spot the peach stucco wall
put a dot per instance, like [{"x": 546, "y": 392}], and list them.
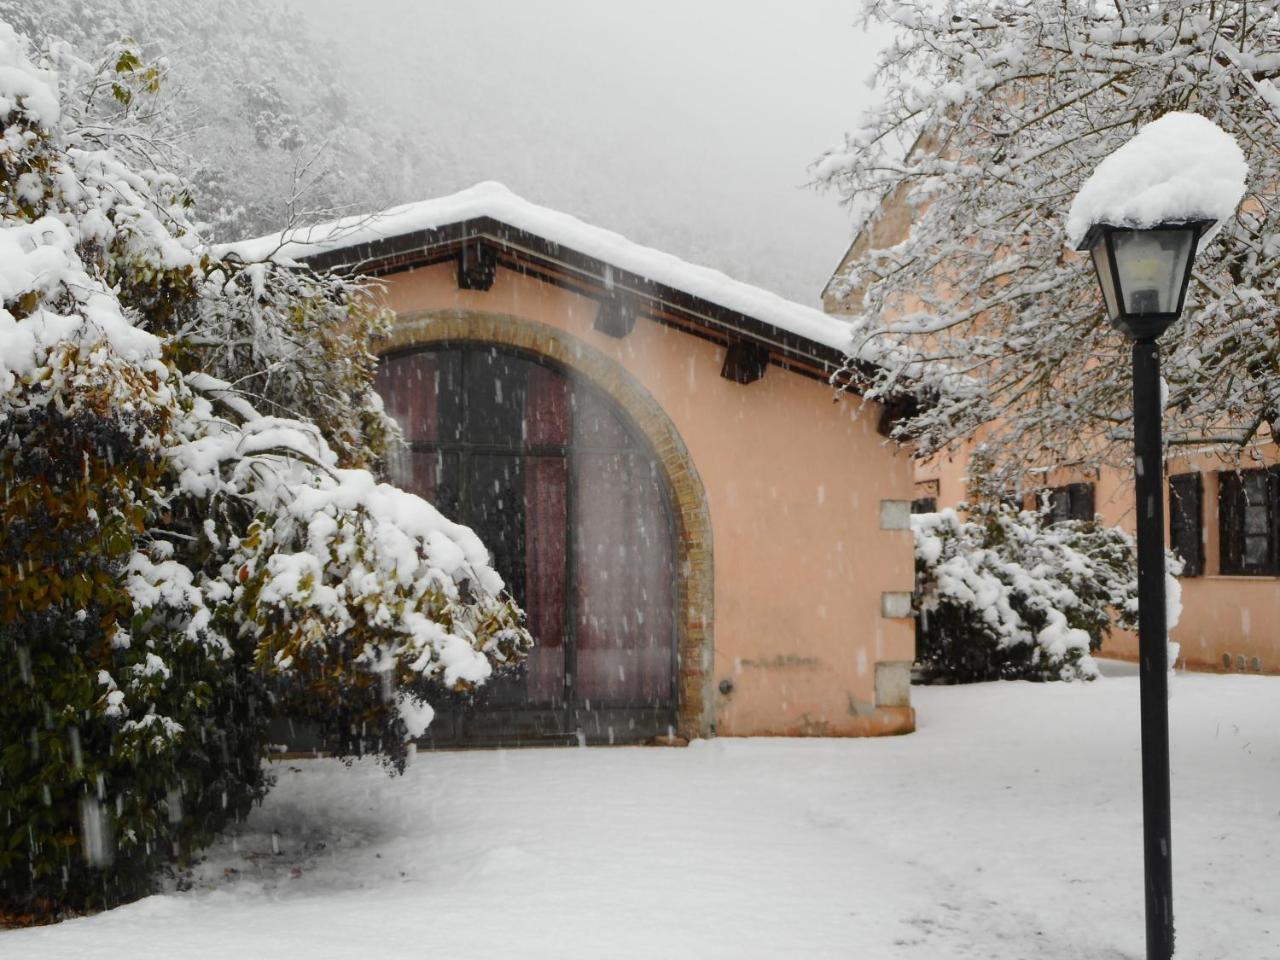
[
  {"x": 944, "y": 477},
  {"x": 793, "y": 480}
]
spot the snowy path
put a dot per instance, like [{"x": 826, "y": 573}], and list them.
[{"x": 1007, "y": 827}]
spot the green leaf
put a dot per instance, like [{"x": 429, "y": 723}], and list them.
[{"x": 128, "y": 62}]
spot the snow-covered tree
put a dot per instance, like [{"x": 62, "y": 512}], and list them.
[
  {"x": 991, "y": 116},
  {"x": 251, "y": 110},
  {"x": 177, "y": 564}
]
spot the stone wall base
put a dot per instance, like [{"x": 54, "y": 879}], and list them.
[{"x": 879, "y": 722}]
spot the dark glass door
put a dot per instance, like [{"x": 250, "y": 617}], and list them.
[{"x": 573, "y": 509}]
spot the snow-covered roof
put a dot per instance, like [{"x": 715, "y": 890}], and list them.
[
  {"x": 495, "y": 202},
  {"x": 1179, "y": 168}
]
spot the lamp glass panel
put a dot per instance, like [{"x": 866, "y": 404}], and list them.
[
  {"x": 1150, "y": 265},
  {"x": 1102, "y": 264}
]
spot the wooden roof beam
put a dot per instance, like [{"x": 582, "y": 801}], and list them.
[
  {"x": 617, "y": 315},
  {"x": 477, "y": 265},
  {"x": 745, "y": 362}
]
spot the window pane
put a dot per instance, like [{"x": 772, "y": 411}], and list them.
[
  {"x": 1255, "y": 487},
  {"x": 1102, "y": 267},
  {"x": 1081, "y": 501},
  {"x": 433, "y": 476},
  {"x": 1255, "y": 551},
  {"x": 1151, "y": 264},
  {"x": 1059, "y": 505},
  {"x": 1255, "y": 519},
  {"x": 495, "y": 494},
  {"x": 1074, "y": 501}
]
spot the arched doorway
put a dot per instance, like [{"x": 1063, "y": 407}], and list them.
[{"x": 567, "y": 494}]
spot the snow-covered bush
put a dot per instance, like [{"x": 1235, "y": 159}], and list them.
[
  {"x": 1003, "y": 593},
  {"x": 175, "y": 565}
]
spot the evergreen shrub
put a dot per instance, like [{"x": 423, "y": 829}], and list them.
[{"x": 1004, "y": 593}]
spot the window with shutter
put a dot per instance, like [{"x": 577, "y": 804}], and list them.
[
  {"x": 1248, "y": 517},
  {"x": 1186, "y": 521},
  {"x": 1073, "y": 501}
]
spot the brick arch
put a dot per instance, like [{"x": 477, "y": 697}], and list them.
[{"x": 693, "y": 541}]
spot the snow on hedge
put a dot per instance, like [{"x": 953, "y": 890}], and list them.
[
  {"x": 24, "y": 87},
  {"x": 1181, "y": 167},
  {"x": 343, "y": 549},
  {"x": 38, "y": 261},
  {"x": 1004, "y": 593}
]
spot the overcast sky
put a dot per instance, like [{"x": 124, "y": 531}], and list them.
[{"x": 684, "y": 125}]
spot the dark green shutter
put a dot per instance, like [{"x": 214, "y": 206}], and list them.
[
  {"x": 1230, "y": 523},
  {"x": 1186, "y": 521}
]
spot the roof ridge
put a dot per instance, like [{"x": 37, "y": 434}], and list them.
[{"x": 493, "y": 200}]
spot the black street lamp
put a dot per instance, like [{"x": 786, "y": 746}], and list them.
[{"x": 1144, "y": 275}]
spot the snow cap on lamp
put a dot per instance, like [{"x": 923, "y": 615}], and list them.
[
  {"x": 1144, "y": 210},
  {"x": 1177, "y": 169}
]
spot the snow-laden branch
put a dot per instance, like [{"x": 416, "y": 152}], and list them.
[{"x": 1007, "y": 109}]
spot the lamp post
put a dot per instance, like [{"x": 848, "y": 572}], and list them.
[{"x": 1144, "y": 275}]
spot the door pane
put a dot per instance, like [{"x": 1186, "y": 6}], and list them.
[
  {"x": 421, "y": 391},
  {"x": 545, "y": 502},
  {"x": 518, "y": 508},
  {"x": 496, "y": 386},
  {"x": 408, "y": 387},
  {"x": 547, "y": 407},
  {"x": 495, "y": 511},
  {"x": 622, "y": 582},
  {"x": 433, "y": 476},
  {"x": 596, "y": 424}
]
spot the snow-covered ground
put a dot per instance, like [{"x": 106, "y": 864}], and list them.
[{"x": 1007, "y": 827}]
